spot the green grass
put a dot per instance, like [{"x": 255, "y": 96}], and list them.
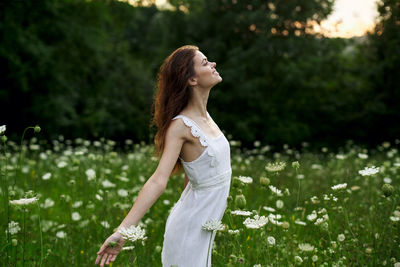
[{"x": 360, "y": 212}]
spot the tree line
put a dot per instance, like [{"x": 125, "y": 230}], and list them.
[{"x": 88, "y": 69}]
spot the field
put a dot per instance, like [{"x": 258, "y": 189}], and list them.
[{"x": 320, "y": 208}]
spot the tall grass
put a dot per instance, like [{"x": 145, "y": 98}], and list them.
[{"x": 86, "y": 188}]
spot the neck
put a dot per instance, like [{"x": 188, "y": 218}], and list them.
[{"x": 198, "y": 102}]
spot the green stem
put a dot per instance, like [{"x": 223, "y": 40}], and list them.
[
  {"x": 6, "y": 197},
  {"x": 20, "y": 156},
  {"x": 209, "y": 246},
  {"x": 23, "y": 248},
  {"x": 298, "y": 191},
  {"x": 298, "y": 194},
  {"x": 41, "y": 236},
  {"x": 237, "y": 241}
]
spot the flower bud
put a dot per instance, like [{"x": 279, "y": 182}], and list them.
[
  {"x": 295, "y": 164},
  {"x": 112, "y": 244},
  {"x": 368, "y": 250},
  {"x": 387, "y": 190},
  {"x": 14, "y": 242},
  {"x": 4, "y": 138},
  {"x": 264, "y": 181},
  {"x": 37, "y": 129},
  {"x": 233, "y": 258},
  {"x": 285, "y": 225},
  {"x": 240, "y": 201}
]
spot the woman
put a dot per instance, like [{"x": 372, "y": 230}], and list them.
[{"x": 187, "y": 136}]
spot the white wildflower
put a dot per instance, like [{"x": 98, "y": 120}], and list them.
[
  {"x": 77, "y": 204},
  {"x": 387, "y": 180},
  {"x": 300, "y": 222},
  {"x": 316, "y": 166},
  {"x": 13, "y": 228},
  {"x": 394, "y": 218},
  {"x": 233, "y": 232},
  {"x": 314, "y": 258},
  {"x": 24, "y": 201},
  {"x": 166, "y": 202},
  {"x": 276, "y": 190},
  {"x": 271, "y": 240},
  {"x": 311, "y": 217},
  {"x": 275, "y": 167},
  {"x": 269, "y": 209},
  {"x": 273, "y": 218},
  {"x": 75, "y": 216},
  {"x": 122, "y": 193},
  {"x": 255, "y": 223},
  {"x": 306, "y": 247},
  {"x": 107, "y": 184},
  {"x": 105, "y": 224},
  {"x": 91, "y": 174},
  {"x": 47, "y": 203},
  {"x": 2, "y": 129},
  {"x": 300, "y": 176},
  {"x": 341, "y": 237},
  {"x": 339, "y": 187},
  {"x": 213, "y": 225},
  {"x": 133, "y": 233},
  {"x": 298, "y": 259},
  {"x": 62, "y": 164},
  {"x": 369, "y": 171},
  {"x": 241, "y": 212},
  {"x": 314, "y": 200},
  {"x": 128, "y": 248},
  {"x": 46, "y": 176},
  {"x": 245, "y": 179},
  {"x": 362, "y": 155},
  {"x": 61, "y": 234},
  {"x": 340, "y": 156},
  {"x": 279, "y": 204}
]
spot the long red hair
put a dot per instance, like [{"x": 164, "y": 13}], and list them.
[{"x": 172, "y": 93}]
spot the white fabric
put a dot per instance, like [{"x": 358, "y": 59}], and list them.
[{"x": 204, "y": 198}]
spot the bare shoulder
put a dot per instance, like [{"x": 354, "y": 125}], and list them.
[{"x": 178, "y": 129}]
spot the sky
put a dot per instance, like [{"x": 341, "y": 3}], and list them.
[
  {"x": 349, "y": 18},
  {"x": 352, "y": 17}
]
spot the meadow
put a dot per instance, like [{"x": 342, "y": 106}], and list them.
[{"x": 287, "y": 206}]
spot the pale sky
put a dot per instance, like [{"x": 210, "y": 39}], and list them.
[
  {"x": 353, "y": 18},
  {"x": 349, "y": 18}
]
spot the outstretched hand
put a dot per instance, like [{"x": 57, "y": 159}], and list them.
[{"x": 110, "y": 249}]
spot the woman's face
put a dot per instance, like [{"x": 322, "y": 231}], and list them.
[{"x": 206, "y": 74}]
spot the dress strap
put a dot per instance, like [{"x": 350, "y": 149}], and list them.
[{"x": 194, "y": 129}]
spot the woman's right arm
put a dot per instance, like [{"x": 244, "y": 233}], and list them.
[
  {"x": 152, "y": 189},
  {"x": 157, "y": 183}
]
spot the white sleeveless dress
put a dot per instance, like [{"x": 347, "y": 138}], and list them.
[{"x": 204, "y": 198}]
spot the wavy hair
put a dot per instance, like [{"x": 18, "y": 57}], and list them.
[{"x": 173, "y": 92}]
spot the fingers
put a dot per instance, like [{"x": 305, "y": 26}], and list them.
[
  {"x": 105, "y": 255},
  {"x": 98, "y": 259},
  {"x": 109, "y": 259},
  {"x": 112, "y": 258}
]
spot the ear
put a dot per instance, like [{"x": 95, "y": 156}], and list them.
[{"x": 192, "y": 81}]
